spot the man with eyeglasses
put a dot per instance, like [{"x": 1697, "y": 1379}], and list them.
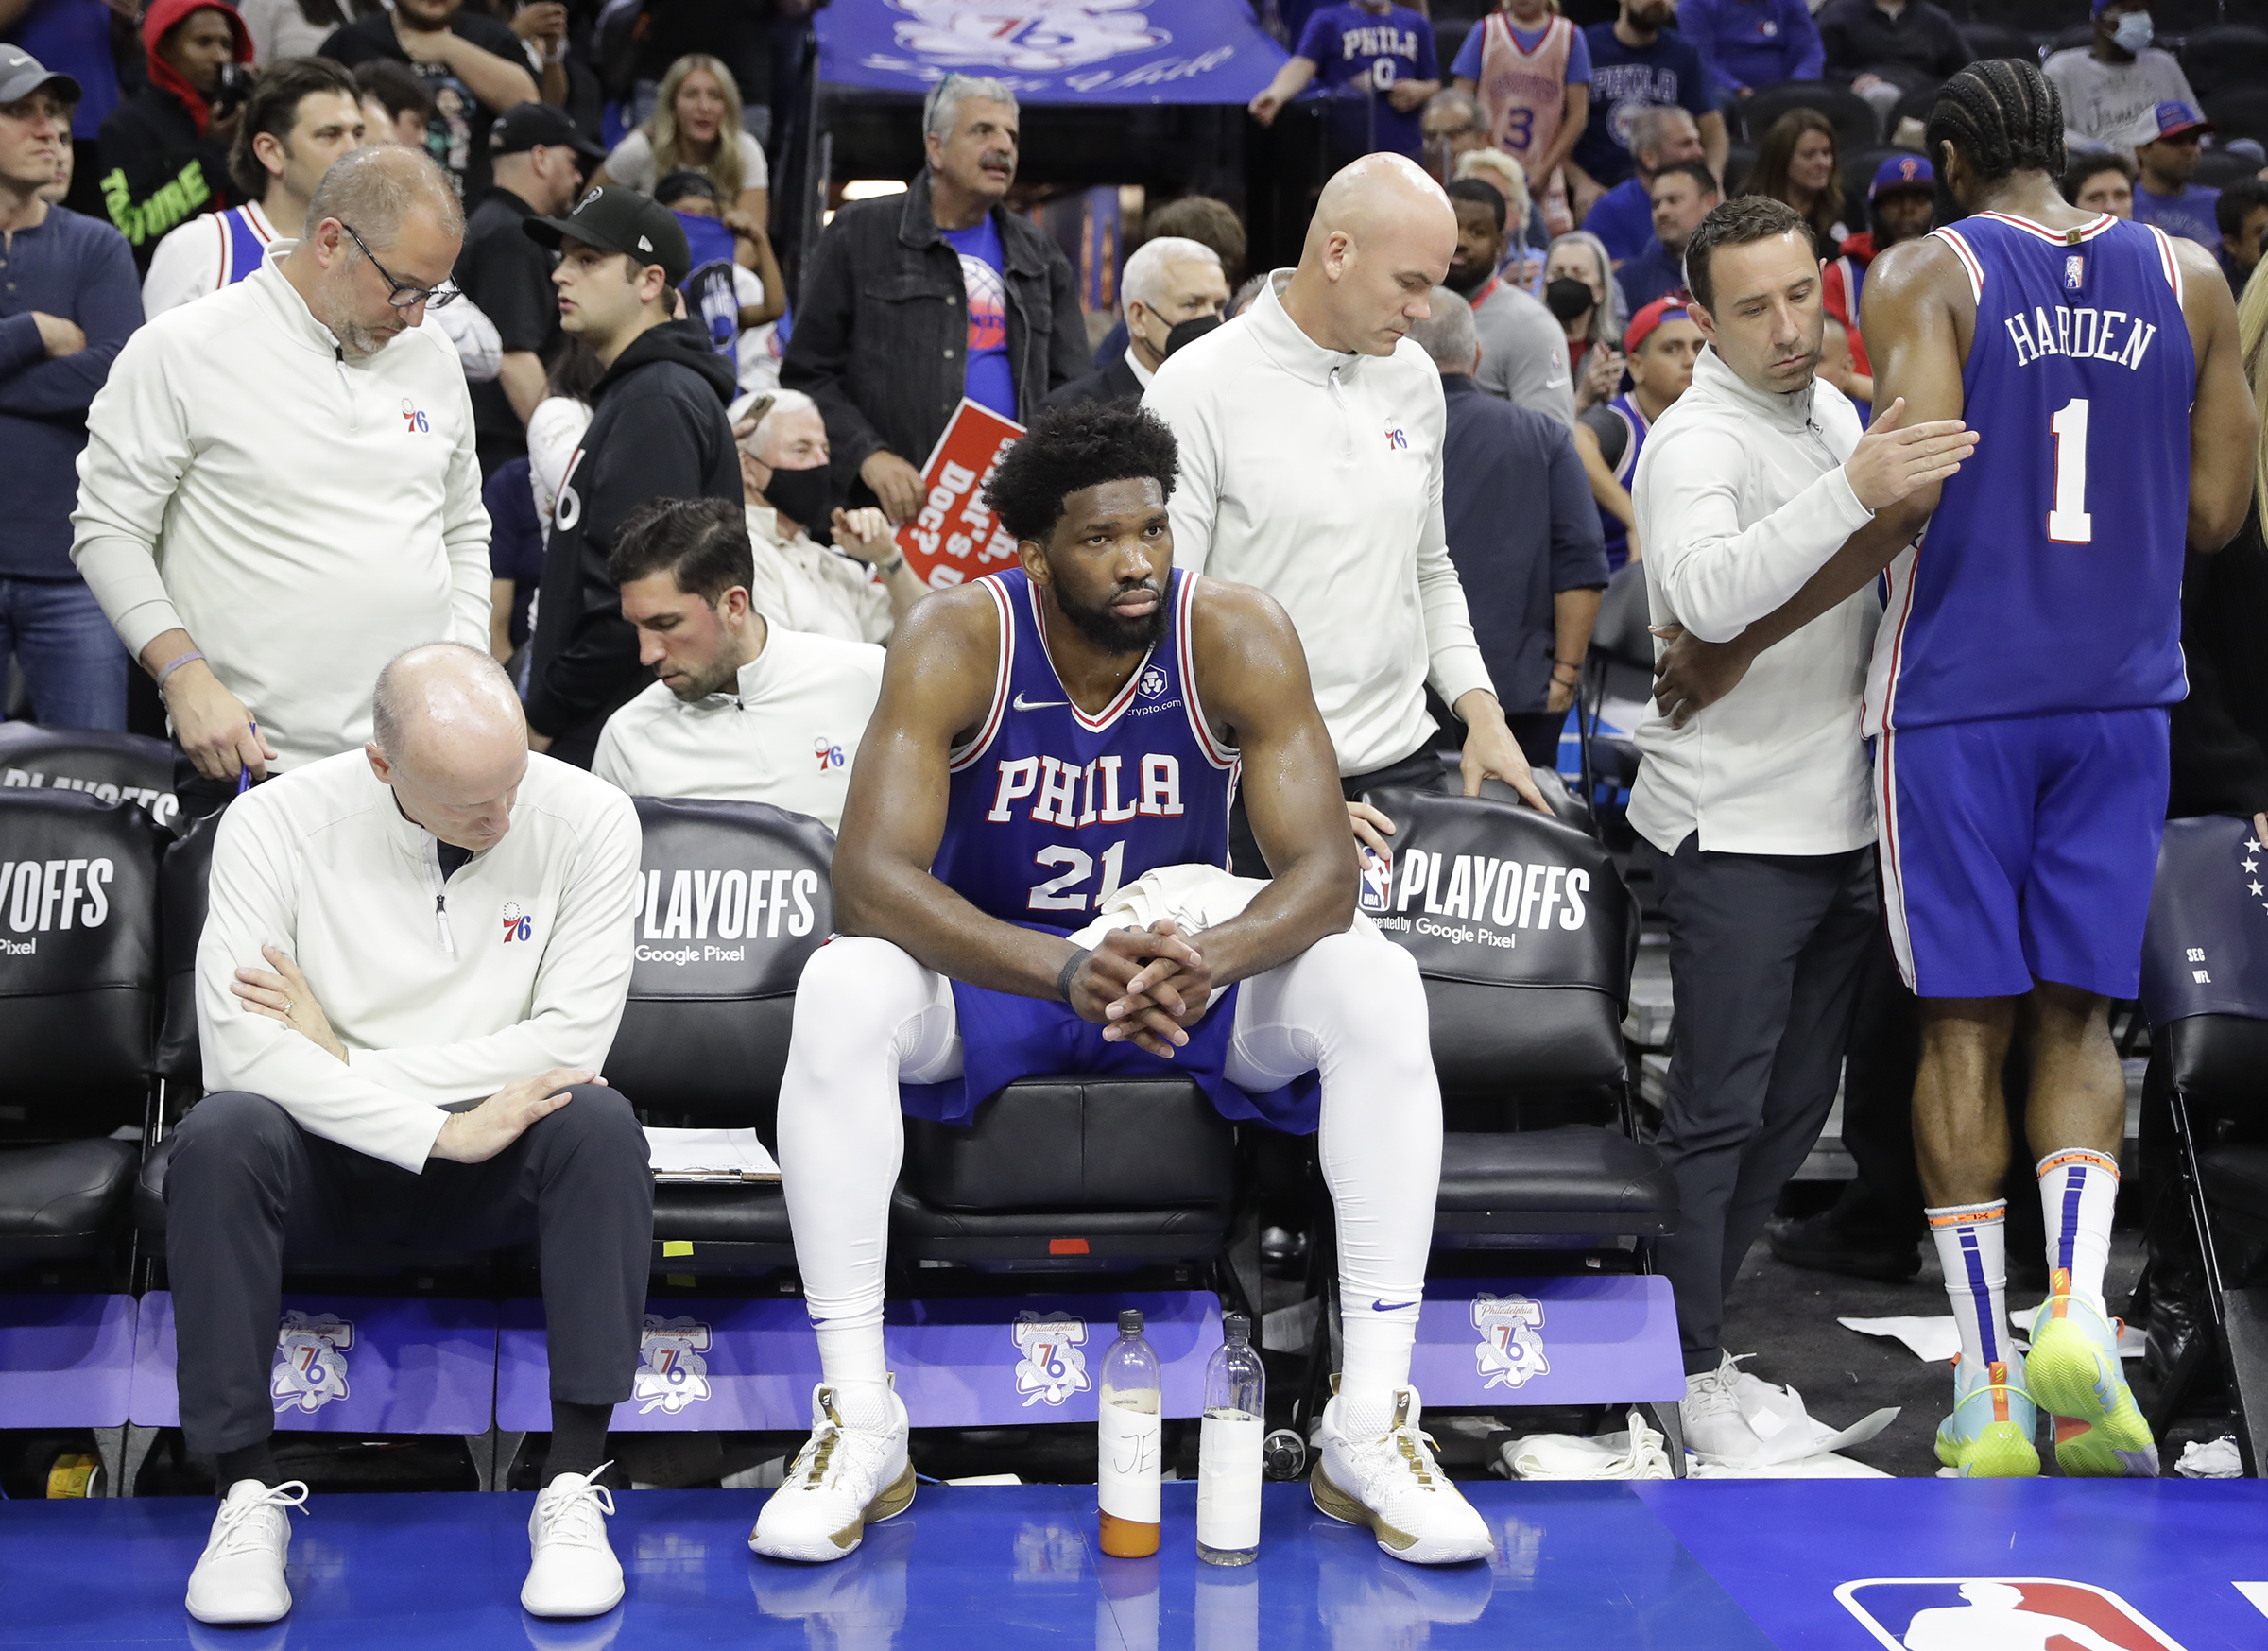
[{"x": 279, "y": 491}]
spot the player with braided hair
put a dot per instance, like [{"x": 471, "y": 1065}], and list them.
[{"x": 2028, "y": 652}]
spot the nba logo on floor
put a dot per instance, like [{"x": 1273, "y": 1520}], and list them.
[{"x": 2002, "y": 1613}]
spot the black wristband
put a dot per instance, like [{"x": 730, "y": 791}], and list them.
[{"x": 1071, "y": 966}]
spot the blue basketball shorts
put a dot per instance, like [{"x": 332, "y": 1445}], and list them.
[{"x": 2021, "y": 849}]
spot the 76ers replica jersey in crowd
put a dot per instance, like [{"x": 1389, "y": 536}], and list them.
[
  {"x": 1051, "y": 811},
  {"x": 2050, "y": 577}
]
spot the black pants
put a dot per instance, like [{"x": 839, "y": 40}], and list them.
[
  {"x": 247, "y": 1187},
  {"x": 1419, "y": 771},
  {"x": 1765, "y": 955}
]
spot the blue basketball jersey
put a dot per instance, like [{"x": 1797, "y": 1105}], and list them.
[
  {"x": 243, "y": 244},
  {"x": 1052, "y": 811},
  {"x": 1634, "y": 428},
  {"x": 2049, "y": 580}
]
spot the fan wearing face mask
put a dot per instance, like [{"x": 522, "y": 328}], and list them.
[
  {"x": 855, "y": 590},
  {"x": 2109, "y": 84}
]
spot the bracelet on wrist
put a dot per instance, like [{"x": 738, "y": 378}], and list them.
[
  {"x": 174, "y": 664},
  {"x": 888, "y": 570},
  {"x": 1071, "y": 966}
]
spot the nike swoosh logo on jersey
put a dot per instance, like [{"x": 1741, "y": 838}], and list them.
[
  {"x": 1020, "y": 703},
  {"x": 1390, "y": 1306}
]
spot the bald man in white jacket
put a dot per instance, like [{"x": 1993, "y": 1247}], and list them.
[
  {"x": 414, "y": 961},
  {"x": 279, "y": 491}
]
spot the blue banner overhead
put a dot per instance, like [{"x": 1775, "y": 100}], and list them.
[{"x": 1054, "y": 51}]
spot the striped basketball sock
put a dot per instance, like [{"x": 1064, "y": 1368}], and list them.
[
  {"x": 2078, "y": 1190},
  {"x": 1972, "y": 1247}
]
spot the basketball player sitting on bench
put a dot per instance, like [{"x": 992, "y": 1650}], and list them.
[{"x": 1047, "y": 736}]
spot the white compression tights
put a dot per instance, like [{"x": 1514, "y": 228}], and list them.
[{"x": 1351, "y": 1006}]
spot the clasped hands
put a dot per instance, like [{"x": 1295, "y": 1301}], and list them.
[{"x": 1144, "y": 987}]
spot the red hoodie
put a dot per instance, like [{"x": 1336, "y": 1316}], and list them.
[{"x": 159, "y": 21}]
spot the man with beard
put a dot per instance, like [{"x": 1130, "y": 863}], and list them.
[
  {"x": 1049, "y": 738},
  {"x": 264, "y": 537},
  {"x": 742, "y": 708},
  {"x": 1523, "y": 351},
  {"x": 1640, "y": 61}
]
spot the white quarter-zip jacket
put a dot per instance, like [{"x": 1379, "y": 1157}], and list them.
[
  {"x": 441, "y": 989},
  {"x": 303, "y": 517},
  {"x": 1741, "y": 497},
  {"x": 787, "y": 736},
  {"x": 1317, "y": 476}
]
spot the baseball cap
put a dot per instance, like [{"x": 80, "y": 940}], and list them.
[
  {"x": 524, "y": 126},
  {"x": 620, "y": 220},
  {"x": 1670, "y": 307},
  {"x": 21, "y": 75},
  {"x": 2170, "y": 119},
  {"x": 1902, "y": 172}
]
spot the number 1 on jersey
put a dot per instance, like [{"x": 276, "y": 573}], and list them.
[{"x": 2068, "y": 520}]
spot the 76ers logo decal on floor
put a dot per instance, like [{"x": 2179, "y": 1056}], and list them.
[
  {"x": 1999, "y": 1613},
  {"x": 311, "y": 1361},
  {"x": 1049, "y": 1367}
]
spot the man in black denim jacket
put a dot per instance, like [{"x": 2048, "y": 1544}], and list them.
[{"x": 886, "y": 341}]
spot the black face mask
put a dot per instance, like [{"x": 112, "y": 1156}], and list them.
[
  {"x": 1189, "y": 332},
  {"x": 1567, "y": 297},
  {"x": 802, "y": 495}
]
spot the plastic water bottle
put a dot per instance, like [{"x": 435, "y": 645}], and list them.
[
  {"x": 1229, "y": 1448},
  {"x": 1131, "y": 1443}
]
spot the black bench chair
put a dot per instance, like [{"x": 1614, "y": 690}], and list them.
[
  {"x": 78, "y": 989},
  {"x": 2205, "y": 988}
]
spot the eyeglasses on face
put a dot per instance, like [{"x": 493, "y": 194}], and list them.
[{"x": 402, "y": 295}]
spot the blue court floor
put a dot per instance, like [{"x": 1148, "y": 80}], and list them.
[{"x": 1689, "y": 1566}]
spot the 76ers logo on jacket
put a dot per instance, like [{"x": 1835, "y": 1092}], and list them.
[
  {"x": 311, "y": 1361},
  {"x": 1050, "y": 1368},
  {"x": 518, "y": 925},
  {"x": 2022, "y": 1613}
]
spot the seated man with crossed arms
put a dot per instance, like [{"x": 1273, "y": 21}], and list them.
[{"x": 1047, "y": 737}]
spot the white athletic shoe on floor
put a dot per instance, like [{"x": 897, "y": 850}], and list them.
[
  {"x": 239, "y": 1577},
  {"x": 571, "y": 1571},
  {"x": 850, "y": 1473},
  {"x": 1716, "y": 1429},
  {"x": 1390, "y": 1482}
]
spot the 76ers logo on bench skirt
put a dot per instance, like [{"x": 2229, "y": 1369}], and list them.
[
  {"x": 671, "y": 1372},
  {"x": 1050, "y": 1368},
  {"x": 311, "y": 1361}
]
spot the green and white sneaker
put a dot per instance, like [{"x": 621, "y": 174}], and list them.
[
  {"x": 1990, "y": 1432},
  {"x": 2074, "y": 1374}
]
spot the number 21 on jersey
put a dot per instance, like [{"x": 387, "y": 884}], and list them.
[{"x": 1059, "y": 893}]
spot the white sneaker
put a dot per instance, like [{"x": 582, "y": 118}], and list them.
[
  {"x": 571, "y": 1571},
  {"x": 1716, "y": 1429},
  {"x": 848, "y": 1475},
  {"x": 239, "y": 1577},
  {"x": 1392, "y": 1484}
]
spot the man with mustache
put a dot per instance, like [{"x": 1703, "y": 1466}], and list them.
[
  {"x": 1048, "y": 738},
  {"x": 918, "y": 299}
]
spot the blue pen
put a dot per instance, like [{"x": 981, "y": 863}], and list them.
[{"x": 244, "y": 771}]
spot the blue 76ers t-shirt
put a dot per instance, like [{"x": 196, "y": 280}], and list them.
[
  {"x": 991, "y": 381},
  {"x": 1625, "y": 79},
  {"x": 1352, "y": 48}
]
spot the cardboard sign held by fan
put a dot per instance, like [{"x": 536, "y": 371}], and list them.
[{"x": 953, "y": 538}]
